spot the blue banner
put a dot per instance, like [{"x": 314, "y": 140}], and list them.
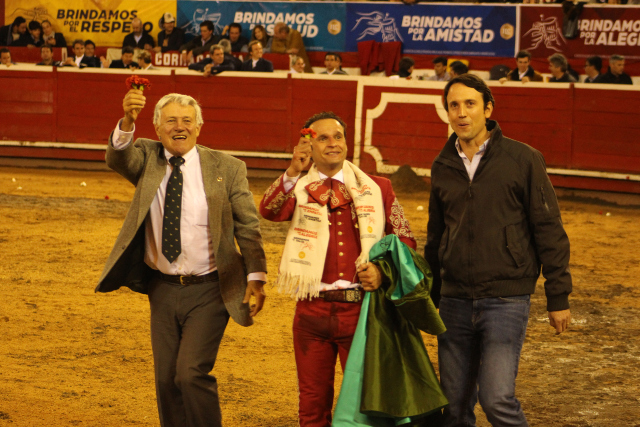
[
  {"x": 320, "y": 24},
  {"x": 430, "y": 29}
]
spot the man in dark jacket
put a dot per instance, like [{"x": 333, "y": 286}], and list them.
[
  {"x": 200, "y": 44},
  {"x": 126, "y": 60},
  {"x": 14, "y": 34},
  {"x": 616, "y": 74},
  {"x": 138, "y": 38},
  {"x": 215, "y": 64},
  {"x": 256, "y": 62},
  {"x": 171, "y": 38},
  {"x": 494, "y": 224},
  {"x": 558, "y": 65},
  {"x": 592, "y": 68},
  {"x": 523, "y": 72}
]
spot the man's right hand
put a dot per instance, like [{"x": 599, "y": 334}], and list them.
[
  {"x": 207, "y": 70},
  {"x": 132, "y": 104},
  {"x": 301, "y": 157}
]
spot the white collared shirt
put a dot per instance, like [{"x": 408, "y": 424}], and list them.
[
  {"x": 79, "y": 60},
  {"x": 196, "y": 257},
  {"x": 472, "y": 165}
]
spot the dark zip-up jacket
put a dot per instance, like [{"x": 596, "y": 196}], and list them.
[{"x": 491, "y": 237}]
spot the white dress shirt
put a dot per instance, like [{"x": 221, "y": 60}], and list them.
[
  {"x": 196, "y": 257},
  {"x": 472, "y": 165}
]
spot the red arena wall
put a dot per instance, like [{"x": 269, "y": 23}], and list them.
[{"x": 586, "y": 132}]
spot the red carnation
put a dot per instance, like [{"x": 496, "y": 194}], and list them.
[
  {"x": 135, "y": 82},
  {"x": 308, "y": 133}
]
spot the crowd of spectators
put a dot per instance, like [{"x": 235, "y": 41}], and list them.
[{"x": 284, "y": 40}]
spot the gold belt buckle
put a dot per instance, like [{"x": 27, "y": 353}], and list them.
[
  {"x": 181, "y": 282},
  {"x": 352, "y": 296}
]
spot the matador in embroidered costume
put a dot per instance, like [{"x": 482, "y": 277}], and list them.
[{"x": 337, "y": 214}]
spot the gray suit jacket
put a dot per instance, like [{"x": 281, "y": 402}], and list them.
[{"x": 232, "y": 217}]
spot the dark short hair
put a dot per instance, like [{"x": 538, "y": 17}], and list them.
[
  {"x": 77, "y": 41},
  {"x": 326, "y": 115},
  {"x": 474, "y": 82},
  {"x": 35, "y": 25},
  {"x": 458, "y": 67},
  {"x": 596, "y": 61},
  {"x": 235, "y": 25},
  {"x": 89, "y": 42},
  {"x": 18, "y": 21},
  {"x": 405, "y": 64},
  {"x": 127, "y": 49},
  {"x": 523, "y": 54},
  {"x": 46, "y": 46},
  {"x": 5, "y": 50},
  {"x": 440, "y": 60},
  {"x": 207, "y": 24},
  {"x": 336, "y": 54}
]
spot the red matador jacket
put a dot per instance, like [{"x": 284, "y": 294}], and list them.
[{"x": 344, "y": 236}]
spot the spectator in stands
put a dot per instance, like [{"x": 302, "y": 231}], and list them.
[
  {"x": 138, "y": 38},
  {"x": 219, "y": 62},
  {"x": 440, "y": 68},
  {"x": 256, "y": 62},
  {"x": 333, "y": 64},
  {"x": 405, "y": 68},
  {"x": 126, "y": 60},
  {"x": 226, "y": 45},
  {"x": 5, "y": 58},
  {"x": 616, "y": 74},
  {"x": 558, "y": 67},
  {"x": 592, "y": 67},
  {"x": 523, "y": 72},
  {"x": 89, "y": 54},
  {"x": 297, "y": 65},
  {"x": 34, "y": 37},
  {"x": 200, "y": 44},
  {"x": 260, "y": 34},
  {"x": 288, "y": 40},
  {"x": 216, "y": 64},
  {"x": 50, "y": 37},
  {"x": 457, "y": 68},
  {"x": 79, "y": 59},
  {"x": 46, "y": 54},
  {"x": 239, "y": 43},
  {"x": 14, "y": 34},
  {"x": 144, "y": 61},
  {"x": 171, "y": 38}
]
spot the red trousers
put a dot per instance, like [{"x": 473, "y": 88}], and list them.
[{"x": 321, "y": 331}]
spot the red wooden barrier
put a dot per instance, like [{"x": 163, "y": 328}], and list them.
[{"x": 586, "y": 132}]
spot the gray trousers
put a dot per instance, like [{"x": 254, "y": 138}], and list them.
[{"x": 187, "y": 324}]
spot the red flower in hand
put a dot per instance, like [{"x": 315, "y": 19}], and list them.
[
  {"x": 140, "y": 83},
  {"x": 308, "y": 133}
]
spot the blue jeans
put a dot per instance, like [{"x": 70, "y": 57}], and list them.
[{"x": 478, "y": 357}]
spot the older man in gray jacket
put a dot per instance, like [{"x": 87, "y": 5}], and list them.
[{"x": 178, "y": 245}]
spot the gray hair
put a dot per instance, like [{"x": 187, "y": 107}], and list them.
[
  {"x": 216, "y": 47},
  {"x": 616, "y": 58},
  {"x": 176, "y": 98},
  {"x": 559, "y": 60},
  {"x": 226, "y": 45}
]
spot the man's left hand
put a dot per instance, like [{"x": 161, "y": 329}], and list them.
[
  {"x": 560, "y": 320},
  {"x": 369, "y": 276},
  {"x": 255, "y": 288}
]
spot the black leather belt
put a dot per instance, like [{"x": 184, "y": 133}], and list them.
[
  {"x": 343, "y": 295},
  {"x": 190, "y": 280}
]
